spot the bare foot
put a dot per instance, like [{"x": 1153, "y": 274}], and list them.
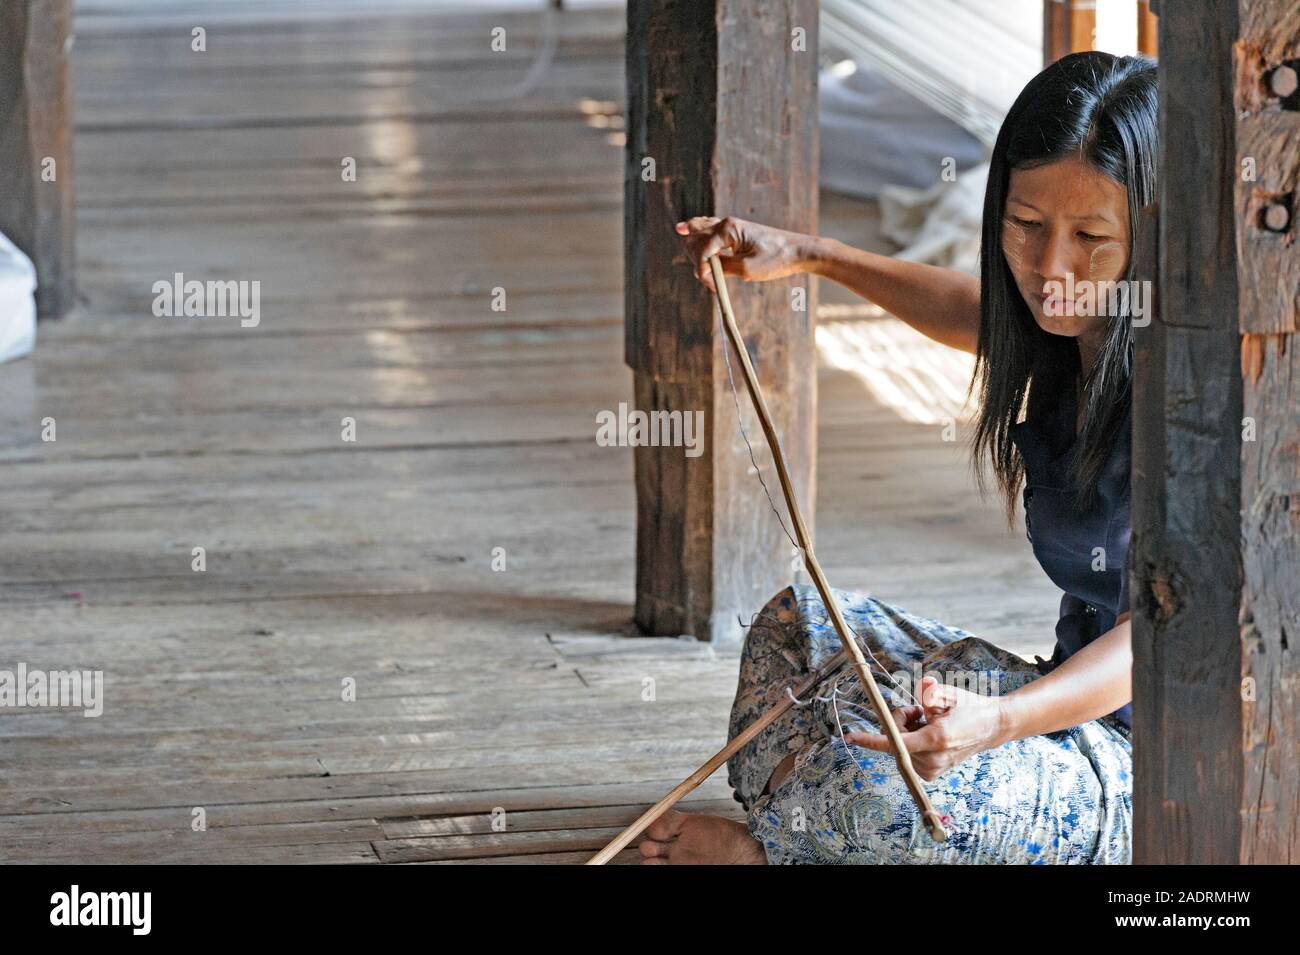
[{"x": 678, "y": 838}]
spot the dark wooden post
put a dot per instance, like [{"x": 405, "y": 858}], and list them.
[
  {"x": 722, "y": 120},
  {"x": 1069, "y": 26},
  {"x": 36, "y": 210},
  {"x": 1216, "y": 469}
]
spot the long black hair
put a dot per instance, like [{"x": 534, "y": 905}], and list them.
[{"x": 1101, "y": 109}]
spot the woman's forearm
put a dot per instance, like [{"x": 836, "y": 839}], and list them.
[
  {"x": 1093, "y": 682},
  {"x": 941, "y": 304}
]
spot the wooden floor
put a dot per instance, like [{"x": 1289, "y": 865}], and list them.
[{"x": 371, "y": 561}]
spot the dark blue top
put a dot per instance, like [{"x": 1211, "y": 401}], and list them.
[{"x": 1095, "y": 583}]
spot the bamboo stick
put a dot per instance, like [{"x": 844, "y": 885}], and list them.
[
  {"x": 928, "y": 814},
  {"x": 704, "y": 772},
  {"x": 888, "y": 726}
]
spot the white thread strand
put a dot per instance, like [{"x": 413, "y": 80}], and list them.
[
  {"x": 833, "y": 699},
  {"x": 740, "y": 421},
  {"x": 888, "y": 676}
]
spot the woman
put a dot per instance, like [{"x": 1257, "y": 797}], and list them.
[{"x": 1037, "y": 770}]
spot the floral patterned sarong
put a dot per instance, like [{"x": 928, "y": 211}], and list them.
[{"x": 1059, "y": 798}]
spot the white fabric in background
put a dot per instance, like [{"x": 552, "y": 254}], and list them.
[
  {"x": 17, "y": 302},
  {"x": 873, "y": 135},
  {"x": 939, "y": 225},
  {"x": 924, "y": 68},
  {"x": 967, "y": 59}
]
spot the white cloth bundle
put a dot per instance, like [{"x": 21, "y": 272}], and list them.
[
  {"x": 17, "y": 302},
  {"x": 939, "y": 225}
]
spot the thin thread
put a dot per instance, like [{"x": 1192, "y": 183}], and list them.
[
  {"x": 740, "y": 419},
  {"x": 826, "y": 622},
  {"x": 540, "y": 66},
  {"x": 835, "y": 707},
  {"x": 753, "y": 617},
  {"x": 833, "y": 699},
  {"x": 798, "y": 702},
  {"x": 943, "y": 818},
  {"x": 888, "y": 676}
]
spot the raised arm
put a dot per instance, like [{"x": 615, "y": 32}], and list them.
[{"x": 941, "y": 304}]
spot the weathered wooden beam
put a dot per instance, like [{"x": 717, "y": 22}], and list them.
[
  {"x": 1069, "y": 26},
  {"x": 36, "y": 182},
  {"x": 1187, "y": 573},
  {"x": 1216, "y": 468},
  {"x": 1267, "y": 98},
  {"x": 722, "y": 120}
]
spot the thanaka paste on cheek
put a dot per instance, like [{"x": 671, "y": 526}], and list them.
[
  {"x": 1013, "y": 244},
  {"x": 1106, "y": 262}
]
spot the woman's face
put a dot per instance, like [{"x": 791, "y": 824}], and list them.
[{"x": 1065, "y": 230}]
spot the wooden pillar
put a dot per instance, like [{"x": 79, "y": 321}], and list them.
[
  {"x": 722, "y": 120},
  {"x": 1267, "y": 59},
  {"x": 1147, "y": 29},
  {"x": 36, "y": 195},
  {"x": 1069, "y": 26},
  {"x": 1216, "y": 469}
]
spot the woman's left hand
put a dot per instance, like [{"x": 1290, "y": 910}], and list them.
[{"x": 949, "y": 725}]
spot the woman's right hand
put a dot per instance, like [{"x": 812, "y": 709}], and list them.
[{"x": 752, "y": 252}]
